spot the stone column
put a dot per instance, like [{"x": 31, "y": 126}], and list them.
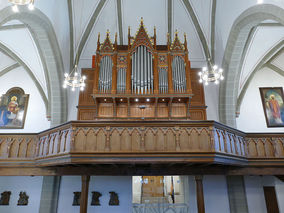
[
  {"x": 237, "y": 194},
  {"x": 49, "y": 194}
]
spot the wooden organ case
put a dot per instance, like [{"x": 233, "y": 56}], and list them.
[{"x": 141, "y": 80}]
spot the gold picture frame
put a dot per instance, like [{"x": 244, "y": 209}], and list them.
[
  {"x": 273, "y": 105},
  {"x": 13, "y": 109}
]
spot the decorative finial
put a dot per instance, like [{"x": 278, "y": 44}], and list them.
[
  {"x": 115, "y": 38},
  {"x": 99, "y": 37},
  {"x": 108, "y": 32}
]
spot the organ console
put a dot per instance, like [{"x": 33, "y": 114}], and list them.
[{"x": 141, "y": 80}]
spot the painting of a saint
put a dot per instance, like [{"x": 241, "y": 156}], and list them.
[
  {"x": 13, "y": 107},
  {"x": 273, "y": 106}
]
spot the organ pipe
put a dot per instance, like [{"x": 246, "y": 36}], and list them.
[
  {"x": 105, "y": 74},
  {"x": 179, "y": 77},
  {"x": 142, "y": 71}
]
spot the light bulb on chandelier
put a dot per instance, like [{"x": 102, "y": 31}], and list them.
[
  {"x": 16, "y": 3},
  {"x": 74, "y": 80},
  {"x": 211, "y": 74}
]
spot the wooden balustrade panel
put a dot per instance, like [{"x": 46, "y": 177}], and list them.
[
  {"x": 252, "y": 150},
  {"x": 260, "y": 148},
  {"x": 115, "y": 139},
  {"x": 171, "y": 140},
  {"x": 14, "y": 147},
  {"x": 3, "y": 148},
  {"x": 91, "y": 140},
  {"x": 126, "y": 143},
  {"x": 193, "y": 139},
  {"x": 150, "y": 142},
  {"x": 80, "y": 141},
  {"x": 63, "y": 141},
  {"x": 136, "y": 140},
  {"x": 160, "y": 140},
  {"x": 101, "y": 140},
  {"x": 269, "y": 149},
  {"x": 204, "y": 141},
  {"x": 279, "y": 148},
  {"x": 184, "y": 140},
  {"x": 56, "y": 145},
  {"x": 22, "y": 149},
  {"x": 31, "y": 149}
]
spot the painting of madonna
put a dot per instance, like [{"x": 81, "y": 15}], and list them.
[
  {"x": 13, "y": 107},
  {"x": 273, "y": 106}
]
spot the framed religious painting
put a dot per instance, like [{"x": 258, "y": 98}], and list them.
[
  {"x": 273, "y": 105},
  {"x": 13, "y": 109}
]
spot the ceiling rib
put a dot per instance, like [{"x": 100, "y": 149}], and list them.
[
  {"x": 89, "y": 29},
  {"x": 198, "y": 28}
]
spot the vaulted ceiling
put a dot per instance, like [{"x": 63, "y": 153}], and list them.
[{"x": 242, "y": 36}]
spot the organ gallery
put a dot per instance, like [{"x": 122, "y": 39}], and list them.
[{"x": 141, "y": 80}]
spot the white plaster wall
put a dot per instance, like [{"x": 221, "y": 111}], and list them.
[
  {"x": 252, "y": 118},
  {"x": 258, "y": 48},
  {"x": 215, "y": 193},
  {"x": 211, "y": 92},
  {"x": 183, "y": 24},
  {"x": 202, "y": 9},
  {"x": 279, "y": 188},
  {"x": 68, "y": 185},
  {"x": 255, "y": 194},
  {"x": 102, "y": 184},
  {"x": 36, "y": 120},
  {"x": 226, "y": 13},
  {"x": 190, "y": 194},
  {"x": 57, "y": 13},
  {"x": 26, "y": 51},
  {"x": 31, "y": 185}
]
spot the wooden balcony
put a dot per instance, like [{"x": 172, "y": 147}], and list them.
[{"x": 116, "y": 146}]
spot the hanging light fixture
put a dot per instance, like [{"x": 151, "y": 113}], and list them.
[
  {"x": 16, "y": 3},
  {"x": 211, "y": 74},
  {"x": 74, "y": 79}
]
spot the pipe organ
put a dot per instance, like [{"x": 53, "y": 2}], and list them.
[{"x": 140, "y": 80}]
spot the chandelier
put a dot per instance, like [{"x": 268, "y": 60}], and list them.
[
  {"x": 74, "y": 79},
  {"x": 213, "y": 74},
  {"x": 16, "y": 3}
]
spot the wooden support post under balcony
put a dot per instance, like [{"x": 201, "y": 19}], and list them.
[
  {"x": 84, "y": 194},
  {"x": 199, "y": 193}
]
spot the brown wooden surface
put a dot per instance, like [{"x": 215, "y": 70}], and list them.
[
  {"x": 84, "y": 194},
  {"x": 199, "y": 194},
  {"x": 153, "y": 186},
  {"x": 270, "y": 199},
  {"x": 141, "y": 142}
]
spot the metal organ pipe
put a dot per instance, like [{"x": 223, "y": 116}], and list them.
[
  {"x": 121, "y": 76},
  {"x": 179, "y": 77},
  {"x": 142, "y": 71},
  {"x": 105, "y": 75},
  {"x": 163, "y": 80}
]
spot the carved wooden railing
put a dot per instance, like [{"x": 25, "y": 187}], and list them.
[{"x": 141, "y": 142}]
